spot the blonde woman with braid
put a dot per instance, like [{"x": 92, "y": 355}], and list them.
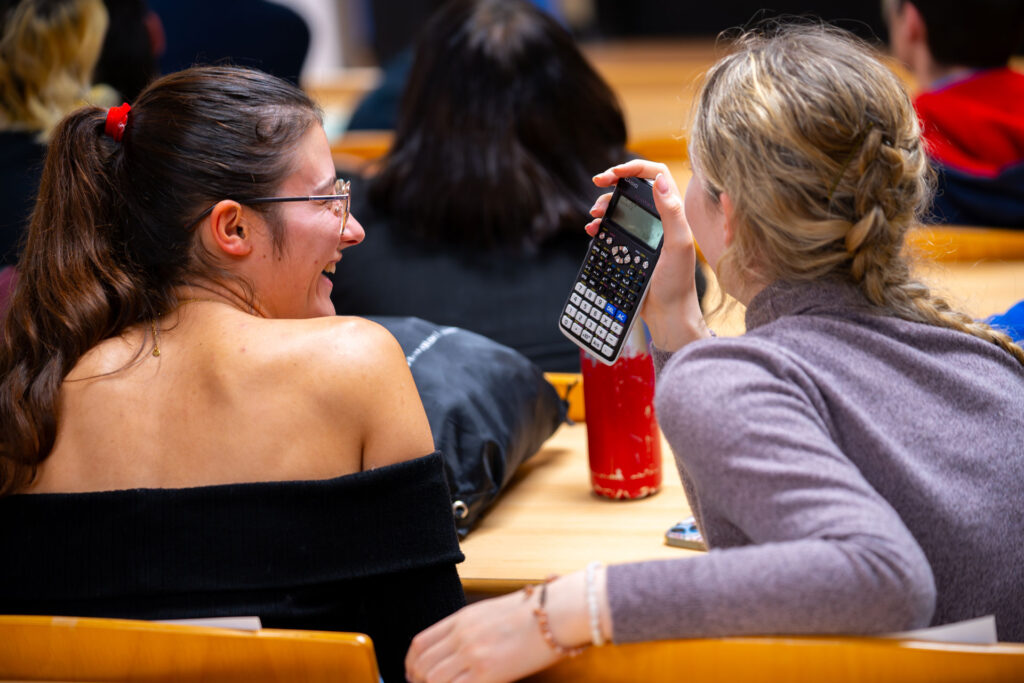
[{"x": 856, "y": 459}]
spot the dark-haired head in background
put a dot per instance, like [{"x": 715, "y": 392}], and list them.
[
  {"x": 477, "y": 212},
  {"x": 502, "y": 124},
  {"x": 971, "y": 102}
]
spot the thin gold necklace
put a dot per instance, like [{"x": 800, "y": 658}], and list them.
[{"x": 156, "y": 333}]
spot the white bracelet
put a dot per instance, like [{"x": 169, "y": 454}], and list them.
[{"x": 592, "y": 608}]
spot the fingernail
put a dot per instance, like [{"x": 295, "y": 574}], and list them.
[{"x": 661, "y": 183}]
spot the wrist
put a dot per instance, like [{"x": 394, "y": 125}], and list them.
[
  {"x": 571, "y": 617},
  {"x": 680, "y": 332},
  {"x": 567, "y": 610}
]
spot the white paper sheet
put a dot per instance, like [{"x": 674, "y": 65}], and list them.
[
  {"x": 237, "y": 623},
  {"x": 980, "y": 631}
]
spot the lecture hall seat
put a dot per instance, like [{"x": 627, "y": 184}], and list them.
[
  {"x": 802, "y": 659},
  {"x": 48, "y": 648}
]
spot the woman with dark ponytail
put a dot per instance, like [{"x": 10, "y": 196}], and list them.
[{"x": 171, "y": 338}]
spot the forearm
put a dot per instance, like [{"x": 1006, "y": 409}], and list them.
[{"x": 811, "y": 586}]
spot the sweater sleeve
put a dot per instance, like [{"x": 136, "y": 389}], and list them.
[{"x": 801, "y": 543}]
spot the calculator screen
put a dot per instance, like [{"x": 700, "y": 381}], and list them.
[{"x": 638, "y": 222}]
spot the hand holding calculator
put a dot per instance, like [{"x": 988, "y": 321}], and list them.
[{"x": 614, "y": 278}]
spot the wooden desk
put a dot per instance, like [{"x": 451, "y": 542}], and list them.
[{"x": 548, "y": 521}]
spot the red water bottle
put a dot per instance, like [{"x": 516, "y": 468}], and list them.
[{"x": 623, "y": 439}]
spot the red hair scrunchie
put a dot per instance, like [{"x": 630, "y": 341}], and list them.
[{"x": 117, "y": 119}]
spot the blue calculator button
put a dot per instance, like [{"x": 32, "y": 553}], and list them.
[
  {"x": 610, "y": 310},
  {"x": 620, "y": 316}
]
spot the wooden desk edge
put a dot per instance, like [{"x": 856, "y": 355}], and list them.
[{"x": 485, "y": 588}]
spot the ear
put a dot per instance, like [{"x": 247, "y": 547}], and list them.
[
  {"x": 728, "y": 227},
  {"x": 226, "y": 233}
]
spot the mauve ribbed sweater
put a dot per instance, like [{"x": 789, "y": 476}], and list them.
[{"x": 853, "y": 473}]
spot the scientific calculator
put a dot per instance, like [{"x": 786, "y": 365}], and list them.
[{"x": 613, "y": 280}]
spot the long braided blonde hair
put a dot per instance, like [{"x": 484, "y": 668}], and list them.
[{"x": 818, "y": 146}]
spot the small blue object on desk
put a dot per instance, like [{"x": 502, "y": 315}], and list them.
[{"x": 685, "y": 534}]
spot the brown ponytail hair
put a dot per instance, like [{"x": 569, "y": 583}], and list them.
[
  {"x": 818, "y": 146},
  {"x": 113, "y": 231}
]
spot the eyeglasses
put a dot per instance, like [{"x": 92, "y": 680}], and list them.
[{"x": 339, "y": 202}]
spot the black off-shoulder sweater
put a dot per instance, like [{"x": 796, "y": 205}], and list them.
[{"x": 372, "y": 552}]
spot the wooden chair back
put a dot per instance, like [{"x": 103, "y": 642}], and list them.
[
  {"x": 44, "y": 648},
  {"x": 967, "y": 243},
  {"x": 794, "y": 660}
]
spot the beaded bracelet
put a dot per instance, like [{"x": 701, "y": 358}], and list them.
[
  {"x": 545, "y": 627},
  {"x": 592, "y": 606}
]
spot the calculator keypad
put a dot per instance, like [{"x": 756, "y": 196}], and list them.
[{"x": 608, "y": 290}]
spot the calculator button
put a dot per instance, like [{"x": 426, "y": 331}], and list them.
[
  {"x": 602, "y": 235},
  {"x": 608, "y": 241},
  {"x": 586, "y": 335},
  {"x": 590, "y": 325},
  {"x": 628, "y": 307},
  {"x": 612, "y": 339},
  {"x": 589, "y": 294},
  {"x": 571, "y": 311},
  {"x": 610, "y": 310},
  {"x": 606, "y": 321},
  {"x": 576, "y": 299},
  {"x": 646, "y": 265},
  {"x": 580, "y": 287},
  {"x": 585, "y": 307},
  {"x": 596, "y": 343},
  {"x": 607, "y": 350},
  {"x": 616, "y": 328},
  {"x": 600, "y": 302},
  {"x": 576, "y": 328},
  {"x": 566, "y": 321},
  {"x": 600, "y": 331},
  {"x": 636, "y": 259},
  {"x": 621, "y": 317},
  {"x": 581, "y": 317}
]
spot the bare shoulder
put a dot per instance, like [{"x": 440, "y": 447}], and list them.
[
  {"x": 339, "y": 347},
  {"x": 352, "y": 367}
]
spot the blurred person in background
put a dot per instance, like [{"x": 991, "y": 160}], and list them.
[
  {"x": 255, "y": 33},
  {"x": 971, "y": 103},
  {"x": 473, "y": 220},
  {"x": 48, "y": 51},
  {"x": 134, "y": 41}
]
